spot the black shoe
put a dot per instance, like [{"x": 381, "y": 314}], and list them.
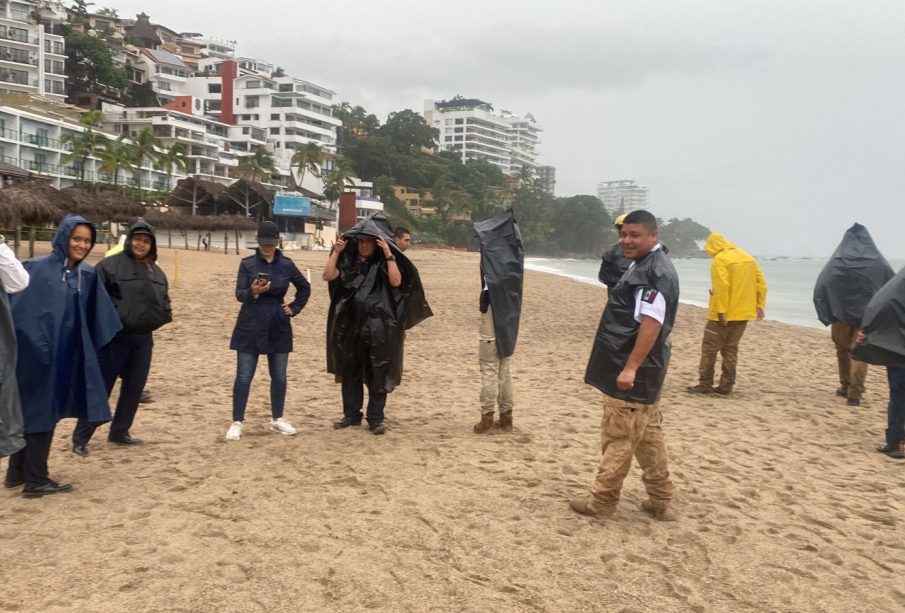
[
  {"x": 896, "y": 451},
  {"x": 145, "y": 397},
  {"x": 841, "y": 392},
  {"x": 346, "y": 421},
  {"x": 853, "y": 402},
  {"x": 80, "y": 450},
  {"x": 13, "y": 483},
  {"x": 51, "y": 487},
  {"x": 377, "y": 428},
  {"x": 125, "y": 439}
]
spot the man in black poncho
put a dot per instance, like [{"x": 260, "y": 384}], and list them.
[
  {"x": 882, "y": 342},
  {"x": 375, "y": 296},
  {"x": 628, "y": 364},
  {"x": 846, "y": 284}
]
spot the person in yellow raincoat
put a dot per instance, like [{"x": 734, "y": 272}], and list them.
[{"x": 738, "y": 295}]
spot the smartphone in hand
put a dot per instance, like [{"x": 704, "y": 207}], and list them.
[{"x": 263, "y": 277}]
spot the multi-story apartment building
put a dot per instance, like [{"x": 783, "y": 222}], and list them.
[
  {"x": 32, "y": 51},
  {"x": 206, "y": 141},
  {"x": 622, "y": 196},
  {"x": 472, "y": 128},
  {"x": 166, "y": 72},
  {"x": 31, "y": 137},
  {"x": 546, "y": 179},
  {"x": 290, "y": 111}
]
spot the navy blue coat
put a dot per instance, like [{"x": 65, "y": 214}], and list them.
[
  {"x": 62, "y": 318},
  {"x": 262, "y": 327}
]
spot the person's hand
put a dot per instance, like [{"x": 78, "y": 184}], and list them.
[
  {"x": 287, "y": 311},
  {"x": 340, "y": 244},
  {"x": 386, "y": 248},
  {"x": 721, "y": 317},
  {"x": 259, "y": 286},
  {"x": 626, "y": 379},
  {"x": 862, "y": 337},
  {"x": 760, "y": 314}
]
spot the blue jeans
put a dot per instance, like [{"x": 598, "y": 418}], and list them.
[
  {"x": 245, "y": 372},
  {"x": 895, "y": 429}
]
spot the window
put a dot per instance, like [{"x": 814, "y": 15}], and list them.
[
  {"x": 214, "y": 88},
  {"x": 252, "y": 102},
  {"x": 285, "y": 87},
  {"x": 252, "y": 85},
  {"x": 460, "y": 121},
  {"x": 449, "y": 139},
  {"x": 275, "y": 116},
  {"x": 459, "y": 130},
  {"x": 274, "y": 130},
  {"x": 449, "y": 122}
]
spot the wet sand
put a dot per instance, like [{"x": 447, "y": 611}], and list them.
[{"x": 784, "y": 504}]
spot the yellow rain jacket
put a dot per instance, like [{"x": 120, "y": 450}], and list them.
[{"x": 738, "y": 287}]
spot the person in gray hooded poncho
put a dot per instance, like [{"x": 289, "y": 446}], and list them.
[{"x": 13, "y": 278}]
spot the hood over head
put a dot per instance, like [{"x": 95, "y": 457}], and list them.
[
  {"x": 375, "y": 226},
  {"x": 64, "y": 230},
  {"x": 140, "y": 226},
  {"x": 716, "y": 242}
]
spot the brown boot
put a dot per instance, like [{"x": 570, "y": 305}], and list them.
[
  {"x": 659, "y": 512},
  {"x": 589, "y": 506},
  {"x": 505, "y": 423},
  {"x": 485, "y": 425}
]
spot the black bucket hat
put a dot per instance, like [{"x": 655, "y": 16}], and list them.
[{"x": 268, "y": 234}]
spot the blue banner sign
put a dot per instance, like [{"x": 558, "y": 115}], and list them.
[{"x": 292, "y": 206}]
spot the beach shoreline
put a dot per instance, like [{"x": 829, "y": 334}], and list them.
[{"x": 783, "y": 503}]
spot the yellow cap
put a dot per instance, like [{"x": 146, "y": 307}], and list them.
[{"x": 620, "y": 219}]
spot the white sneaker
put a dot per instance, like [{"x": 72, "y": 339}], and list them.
[
  {"x": 235, "y": 431},
  {"x": 282, "y": 426}
]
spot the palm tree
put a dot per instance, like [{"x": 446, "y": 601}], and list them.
[
  {"x": 260, "y": 162},
  {"x": 118, "y": 155},
  {"x": 85, "y": 144},
  {"x": 309, "y": 157},
  {"x": 176, "y": 157},
  {"x": 341, "y": 175}
]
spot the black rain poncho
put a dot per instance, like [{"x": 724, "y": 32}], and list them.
[
  {"x": 884, "y": 326},
  {"x": 503, "y": 267},
  {"x": 367, "y": 320},
  {"x": 851, "y": 277}
]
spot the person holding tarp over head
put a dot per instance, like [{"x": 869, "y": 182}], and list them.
[
  {"x": 13, "y": 278},
  {"x": 851, "y": 277},
  {"x": 375, "y": 296},
  {"x": 502, "y": 274},
  {"x": 882, "y": 342},
  {"x": 62, "y": 319}
]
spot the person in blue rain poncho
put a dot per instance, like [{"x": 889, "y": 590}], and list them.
[{"x": 61, "y": 320}]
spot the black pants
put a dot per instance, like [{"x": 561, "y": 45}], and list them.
[
  {"x": 354, "y": 397},
  {"x": 127, "y": 356},
  {"x": 30, "y": 462}
]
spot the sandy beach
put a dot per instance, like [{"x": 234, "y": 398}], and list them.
[{"x": 784, "y": 504}]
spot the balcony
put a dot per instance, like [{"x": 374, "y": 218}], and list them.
[
  {"x": 39, "y": 140},
  {"x": 18, "y": 38},
  {"x": 6, "y": 56}
]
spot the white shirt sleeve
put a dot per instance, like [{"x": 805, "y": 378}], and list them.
[
  {"x": 12, "y": 273},
  {"x": 650, "y": 302}
]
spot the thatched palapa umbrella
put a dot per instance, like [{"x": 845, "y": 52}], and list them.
[{"x": 33, "y": 203}]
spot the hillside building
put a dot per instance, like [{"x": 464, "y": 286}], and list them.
[{"x": 622, "y": 196}]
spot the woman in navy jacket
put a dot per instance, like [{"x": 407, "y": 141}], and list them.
[{"x": 263, "y": 327}]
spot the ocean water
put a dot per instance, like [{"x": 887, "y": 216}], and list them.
[{"x": 790, "y": 282}]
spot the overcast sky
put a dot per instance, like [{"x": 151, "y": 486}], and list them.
[{"x": 776, "y": 122}]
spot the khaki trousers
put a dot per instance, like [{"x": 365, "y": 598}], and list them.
[
  {"x": 496, "y": 372},
  {"x": 724, "y": 340},
  {"x": 852, "y": 373},
  {"x": 632, "y": 429}
]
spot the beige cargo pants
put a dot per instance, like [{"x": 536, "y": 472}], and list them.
[
  {"x": 852, "y": 373},
  {"x": 496, "y": 372},
  {"x": 723, "y": 340},
  {"x": 631, "y": 429}
]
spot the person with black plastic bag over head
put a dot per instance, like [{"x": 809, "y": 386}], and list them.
[
  {"x": 140, "y": 293},
  {"x": 263, "y": 326},
  {"x": 502, "y": 274},
  {"x": 851, "y": 277},
  {"x": 882, "y": 342},
  {"x": 375, "y": 296},
  {"x": 62, "y": 319}
]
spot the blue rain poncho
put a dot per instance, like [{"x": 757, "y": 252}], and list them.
[{"x": 61, "y": 320}]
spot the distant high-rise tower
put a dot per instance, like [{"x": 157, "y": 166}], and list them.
[
  {"x": 622, "y": 196},
  {"x": 546, "y": 179}
]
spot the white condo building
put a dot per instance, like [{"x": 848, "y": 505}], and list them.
[
  {"x": 472, "y": 128},
  {"x": 32, "y": 56},
  {"x": 622, "y": 196}
]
